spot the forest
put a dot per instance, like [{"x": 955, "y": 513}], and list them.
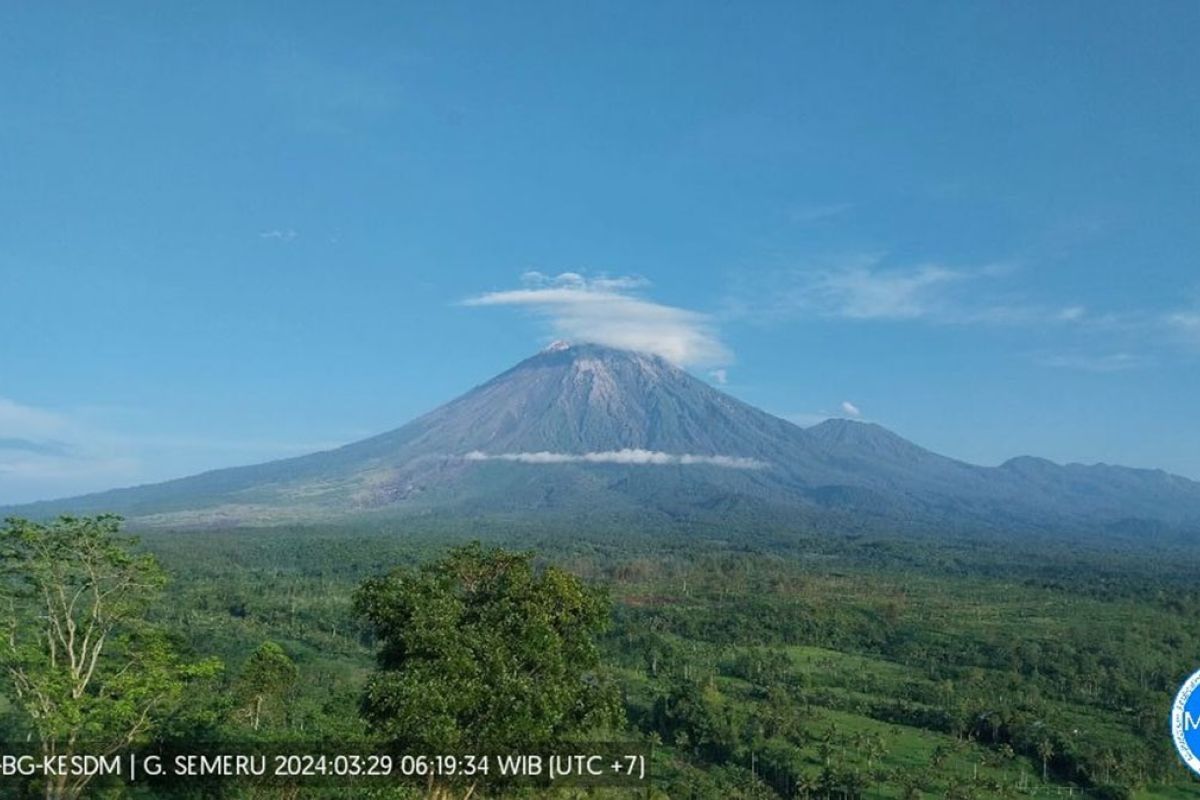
[{"x": 750, "y": 663}]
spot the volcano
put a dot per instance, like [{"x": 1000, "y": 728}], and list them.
[{"x": 585, "y": 429}]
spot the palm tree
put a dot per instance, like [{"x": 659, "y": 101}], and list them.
[
  {"x": 1045, "y": 749},
  {"x": 1108, "y": 761},
  {"x": 826, "y": 750},
  {"x": 875, "y": 749},
  {"x": 827, "y": 739},
  {"x": 807, "y": 785}
]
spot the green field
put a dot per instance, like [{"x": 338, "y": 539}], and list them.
[{"x": 774, "y": 665}]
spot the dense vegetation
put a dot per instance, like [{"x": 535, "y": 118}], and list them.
[{"x": 789, "y": 664}]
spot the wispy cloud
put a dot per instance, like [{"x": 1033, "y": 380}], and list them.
[
  {"x": 57, "y": 453},
  {"x": 1072, "y": 313},
  {"x": 860, "y": 293},
  {"x": 41, "y": 449},
  {"x": 719, "y": 376},
  {"x": 865, "y": 288},
  {"x": 1185, "y": 324},
  {"x": 850, "y": 410},
  {"x": 608, "y": 310},
  {"x": 278, "y": 235},
  {"x": 810, "y": 213},
  {"x": 1090, "y": 362},
  {"x": 18, "y": 444},
  {"x": 1134, "y": 338},
  {"x": 18, "y": 420},
  {"x": 869, "y": 288},
  {"x": 627, "y": 456}
]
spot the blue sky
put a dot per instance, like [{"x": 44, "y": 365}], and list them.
[{"x": 235, "y": 232}]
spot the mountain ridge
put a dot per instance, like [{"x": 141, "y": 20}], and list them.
[{"x": 590, "y": 427}]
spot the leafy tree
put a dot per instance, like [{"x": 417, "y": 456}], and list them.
[
  {"x": 483, "y": 653},
  {"x": 82, "y": 663},
  {"x": 268, "y": 675}
]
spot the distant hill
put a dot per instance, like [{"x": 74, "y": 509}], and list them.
[{"x": 580, "y": 429}]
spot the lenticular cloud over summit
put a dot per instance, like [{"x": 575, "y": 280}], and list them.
[
  {"x": 605, "y": 311},
  {"x": 626, "y": 456}
]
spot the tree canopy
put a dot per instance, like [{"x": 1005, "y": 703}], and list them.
[
  {"x": 267, "y": 676},
  {"x": 481, "y": 652},
  {"x": 80, "y": 661}
]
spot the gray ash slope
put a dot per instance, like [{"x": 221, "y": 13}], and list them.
[{"x": 590, "y": 429}]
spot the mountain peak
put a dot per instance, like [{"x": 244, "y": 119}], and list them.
[
  {"x": 587, "y": 397},
  {"x": 843, "y": 424},
  {"x": 584, "y": 356},
  {"x": 869, "y": 438},
  {"x": 841, "y": 428},
  {"x": 581, "y": 426}
]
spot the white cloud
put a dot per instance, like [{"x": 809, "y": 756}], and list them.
[
  {"x": 1072, "y": 313},
  {"x": 604, "y": 310},
  {"x": 850, "y": 410},
  {"x": 860, "y": 292},
  {"x": 862, "y": 288},
  {"x": 47, "y": 453},
  {"x": 626, "y": 456},
  {"x": 285, "y": 235},
  {"x": 50, "y": 453},
  {"x": 1186, "y": 323},
  {"x": 720, "y": 376},
  {"x": 17, "y": 420}
]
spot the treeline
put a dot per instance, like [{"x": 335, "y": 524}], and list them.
[
  {"x": 765, "y": 664},
  {"x": 1076, "y": 684}
]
